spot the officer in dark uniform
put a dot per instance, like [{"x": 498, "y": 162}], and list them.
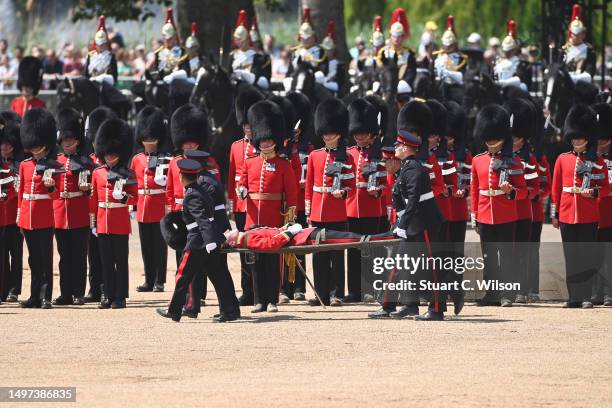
[{"x": 203, "y": 238}]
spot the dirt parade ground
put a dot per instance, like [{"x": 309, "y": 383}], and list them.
[{"x": 536, "y": 355}]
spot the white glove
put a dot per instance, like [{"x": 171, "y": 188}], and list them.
[
  {"x": 263, "y": 83},
  {"x": 332, "y": 86},
  {"x": 512, "y": 81},
  {"x": 320, "y": 77},
  {"x": 133, "y": 215},
  {"x": 287, "y": 82},
  {"x": 94, "y": 231},
  {"x": 295, "y": 228},
  {"x": 104, "y": 78},
  {"x": 242, "y": 192},
  {"x": 585, "y": 76},
  {"x": 400, "y": 233},
  {"x": 211, "y": 247},
  {"x": 180, "y": 74},
  {"x": 118, "y": 195},
  {"x": 161, "y": 180},
  {"x": 454, "y": 76}
]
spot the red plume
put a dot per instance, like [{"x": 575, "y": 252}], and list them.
[
  {"x": 194, "y": 28},
  {"x": 331, "y": 29},
  {"x": 102, "y": 24},
  {"x": 169, "y": 16},
  {"x": 242, "y": 19},
  {"x": 511, "y": 28},
  {"x": 306, "y": 15},
  {"x": 378, "y": 23},
  {"x": 576, "y": 12},
  {"x": 400, "y": 15},
  {"x": 254, "y": 23},
  {"x": 450, "y": 23}
]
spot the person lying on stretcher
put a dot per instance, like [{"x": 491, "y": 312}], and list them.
[{"x": 261, "y": 238}]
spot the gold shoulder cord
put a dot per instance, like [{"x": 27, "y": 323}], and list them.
[
  {"x": 464, "y": 61},
  {"x": 158, "y": 50}
]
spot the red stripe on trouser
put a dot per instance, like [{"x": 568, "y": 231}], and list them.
[
  {"x": 389, "y": 280},
  {"x": 189, "y": 304},
  {"x": 181, "y": 268},
  {"x": 435, "y": 275}
]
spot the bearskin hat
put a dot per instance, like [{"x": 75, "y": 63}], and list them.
[
  {"x": 455, "y": 121},
  {"x": 303, "y": 109},
  {"x": 492, "y": 123},
  {"x": 439, "y": 113},
  {"x": 114, "y": 136},
  {"x": 174, "y": 231},
  {"x": 604, "y": 119},
  {"x": 10, "y": 118},
  {"x": 247, "y": 97},
  {"x": 30, "y": 73},
  {"x": 151, "y": 123},
  {"x": 585, "y": 92},
  {"x": 581, "y": 121},
  {"x": 288, "y": 113},
  {"x": 95, "y": 119},
  {"x": 267, "y": 122},
  {"x": 363, "y": 117},
  {"x": 383, "y": 111},
  {"x": 69, "y": 124},
  {"x": 331, "y": 116},
  {"x": 523, "y": 118},
  {"x": 189, "y": 124},
  {"x": 513, "y": 92},
  {"x": 10, "y": 135},
  {"x": 416, "y": 117},
  {"x": 38, "y": 129}
]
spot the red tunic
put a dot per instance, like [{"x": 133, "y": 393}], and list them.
[
  {"x": 447, "y": 173},
  {"x": 151, "y": 196},
  {"x": 8, "y": 201},
  {"x": 360, "y": 204},
  {"x": 71, "y": 208},
  {"x": 537, "y": 208},
  {"x": 35, "y": 202},
  {"x": 489, "y": 206},
  {"x": 112, "y": 217},
  {"x": 532, "y": 178},
  {"x": 274, "y": 176},
  {"x": 459, "y": 206},
  {"x": 321, "y": 205},
  {"x": 437, "y": 183},
  {"x": 272, "y": 239},
  {"x": 300, "y": 175},
  {"x": 20, "y": 105},
  {"x": 572, "y": 207},
  {"x": 605, "y": 202},
  {"x": 174, "y": 189},
  {"x": 239, "y": 152}
]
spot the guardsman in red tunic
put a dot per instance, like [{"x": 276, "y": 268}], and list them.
[
  {"x": 186, "y": 128},
  {"x": 580, "y": 177},
  {"x": 151, "y": 170},
  {"x": 38, "y": 180},
  {"x": 392, "y": 165},
  {"x": 523, "y": 128},
  {"x": 603, "y": 285},
  {"x": 329, "y": 178},
  {"x": 363, "y": 204},
  {"x": 240, "y": 151},
  {"x": 72, "y": 208},
  {"x": 113, "y": 188},
  {"x": 269, "y": 187},
  {"x": 11, "y": 251},
  {"x": 497, "y": 183},
  {"x": 29, "y": 79},
  {"x": 96, "y": 287}
]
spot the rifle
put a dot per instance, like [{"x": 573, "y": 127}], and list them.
[
  {"x": 48, "y": 168},
  {"x": 585, "y": 170},
  {"x": 463, "y": 180},
  {"x": 5, "y": 180},
  {"x": 335, "y": 170},
  {"x": 369, "y": 170},
  {"x": 504, "y": 170},
  {"x": 121, "y": 177}
]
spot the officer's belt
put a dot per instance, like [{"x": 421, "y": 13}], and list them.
[
  {"x": 148, "y": 191},
  {"x": 266, "y": 196},
  {"x": 572, "y": 190},
  {"x": 491, "y": 193},
  {"x": 34, "y": 197},
  {"x": 111, "y": 205},
  {"x": 195, "y": 224},
  {"x": 219, "y": 207},
  {"x": 178, "y": 201},
  {"x": 426, "y": 196},
  {"x": 318, "y": 189},
  {"x": 71, "y": 194}
]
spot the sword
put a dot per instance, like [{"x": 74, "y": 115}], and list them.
[{"x": 303, "y": 272}]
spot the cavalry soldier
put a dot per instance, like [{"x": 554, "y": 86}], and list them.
[
  {"x": 171, "y": 61},
  {"x": 364, "y": 207},
  {"x": 256, "y": 41},
  {"x": 151, "y": 170},
  {"x": 113, "y": 189},
  {"x": 399, "y": 31},
  {"x": 192, "y": 46},
  {"x": 29, "y": 80},
  {"x": 240, "y": 151},
  {"x": 603, "y": 284},
  {"x": 377, "y": 41},
  {"x": 268, "y": 184},
  {"x": 523, "y": 128},
  {"x": 247, "y": 64},
  {"x": 71, "y": 209},
  {"x": 330, "y": 177},
  {"x": 510, "y": 69},
  {"x": 497, "y": 182},
  {"x": 203, "y": 238},
  {"x": 11, "y": 254},
  {"x": 580, "y": 177},
  {"x": 450, "y": 63},
  {"x": 189, "y": 130},
  {"x": 38, "y": 178},
  {"x": 336, "y": 71},
  {"x": 96, "y": 286},
  {"x": 101, "y": 64},
  {"x": 308, "y": 50},
  {"x": 577, "y": 55}
]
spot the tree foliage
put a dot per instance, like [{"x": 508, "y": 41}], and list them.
[{"x": 120, "y": 10}]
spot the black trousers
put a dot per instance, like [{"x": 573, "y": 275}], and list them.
[
  {"x": 154, "y": 253},
  {"x": 96, "y": 285},
  {"x": 299, "y": 285},
  {"x": 114, "y": 251},
  {"x": 602, "y": 285},
  {"x": 580, "y": 252},
  {"x": 363, "y": 226},
  {"x": 533, "y": 270},
  {"x": 328, "y": 267},
  {"x": 11, "y": 250},
  {"x": 522, "y": 235},
  {"x": 193, "y": 263},
  {"x": 40, "y": 259},
  {"x": 246, "y": 266},
  {"x": 266, "y": 278},
  {"x": 452, "y": 235},
  {"x": 72, "y": 248},
  {"x": 496, "y": 241},
  {"x": 198, "y": 287}
]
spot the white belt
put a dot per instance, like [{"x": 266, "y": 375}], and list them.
[
  {"x": 572, "y": 190},
  {"x": 111, "y": 205},
  {"x": 400, "y": 213},
  {"x": 7, "y": 180},
  {"x": 219, "y": 207},
  {"x": 237, "y": 178},
  {"x": 426, "y": 196},
  {"x": 432, "y": 176},
  {"x": 531, "y": 176},
  {"x": 33, "y": 197},
  {"x": 446, "y": 172},
  {"x": 178, "y": 201},
  {"x": 361, "y": 184},
  {"x": 71, "y": 194},
  {"x": 148, "y": 191},
  {"x": 322, "y": 189},
  {"x": 491, "y": 193}
]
